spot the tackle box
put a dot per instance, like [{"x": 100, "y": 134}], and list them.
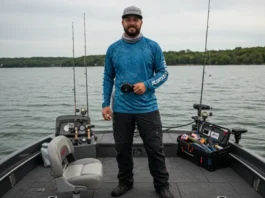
[{"x": 208, "y": 147}]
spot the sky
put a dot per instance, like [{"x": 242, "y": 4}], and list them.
[{"x": 30, "y": 28}]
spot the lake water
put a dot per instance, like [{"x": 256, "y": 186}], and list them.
[{"x": 32, "y": 98}]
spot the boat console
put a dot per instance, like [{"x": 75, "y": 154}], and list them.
[{"x": 79, "y": 131}]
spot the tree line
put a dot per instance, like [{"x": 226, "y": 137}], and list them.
[{"x": 237, "y": 56}]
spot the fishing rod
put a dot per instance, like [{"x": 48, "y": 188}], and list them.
[
  {"x": 85, "y": 64},
  {"x": 206, "y": 39},
  {"x": 74, "y": 68},
  {"x": 88, "y": 128},
  {"x": 200, "y": 106},
  {"x": 75, "y": 124}
]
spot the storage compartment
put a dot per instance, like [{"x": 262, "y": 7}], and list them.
[{"x": 209, "y": 147}]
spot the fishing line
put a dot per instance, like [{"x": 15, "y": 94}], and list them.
[{"x": 173, "y": 127}]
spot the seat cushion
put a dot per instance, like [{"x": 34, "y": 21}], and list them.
[{"x": 85, "y": 172}]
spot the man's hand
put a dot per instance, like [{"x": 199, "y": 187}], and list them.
[
  {"x": 139, "y": 88},
  {"x": 107, "y": 113}
]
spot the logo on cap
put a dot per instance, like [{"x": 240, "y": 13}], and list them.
[{"x": 133, "y": 10}]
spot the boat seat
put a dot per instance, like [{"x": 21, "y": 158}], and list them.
[{"x": 71, "y": 174}]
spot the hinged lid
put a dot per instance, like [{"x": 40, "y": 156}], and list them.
[{"x": 217, "y": 133}]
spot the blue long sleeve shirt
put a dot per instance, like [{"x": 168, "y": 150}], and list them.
[{"x": 142, "y": 61}]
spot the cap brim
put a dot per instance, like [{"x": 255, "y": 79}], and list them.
[{"x": 136, "y": 15}]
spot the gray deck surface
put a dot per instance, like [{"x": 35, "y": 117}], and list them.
[
  {"x": 187, "y": 180},
  {"x": 108, "y": 138}
]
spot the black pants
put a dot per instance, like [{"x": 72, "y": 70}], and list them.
[{"x": 150, "y": 128}]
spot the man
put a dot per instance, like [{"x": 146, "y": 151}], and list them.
[{"x": 137, "y": 64}]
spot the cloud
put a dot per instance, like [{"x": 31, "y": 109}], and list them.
[{"x": 43, "y": 28}]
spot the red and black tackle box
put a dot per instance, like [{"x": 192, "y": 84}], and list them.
[{"x": 209, "y": 147}]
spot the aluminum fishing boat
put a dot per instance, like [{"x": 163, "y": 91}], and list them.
[{"x": 23, "y": 173}]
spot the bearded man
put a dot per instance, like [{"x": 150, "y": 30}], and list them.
[{"x": 135, "y": 65}]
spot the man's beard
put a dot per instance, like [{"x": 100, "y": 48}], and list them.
[{"x": 134, "y": 33}]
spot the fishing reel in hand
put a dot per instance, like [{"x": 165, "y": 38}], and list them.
[{"x": 127, "y": 87}]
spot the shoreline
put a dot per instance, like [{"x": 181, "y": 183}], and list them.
[{"x": 183, "y": 65}]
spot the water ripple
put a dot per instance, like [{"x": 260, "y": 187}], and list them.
[{"x": 49, "y": 105}]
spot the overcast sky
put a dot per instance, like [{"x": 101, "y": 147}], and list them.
[{"x": 44, "y": 27}]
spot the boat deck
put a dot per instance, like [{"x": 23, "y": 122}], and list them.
[{"x": 187, "y": 180}]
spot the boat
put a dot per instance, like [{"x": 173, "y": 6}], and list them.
[
  {"x": 32, "y": 171},
  {"x": 23, "y": 173}
]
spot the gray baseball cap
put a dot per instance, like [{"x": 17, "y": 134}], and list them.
[{"x": 132, "y": 10}]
